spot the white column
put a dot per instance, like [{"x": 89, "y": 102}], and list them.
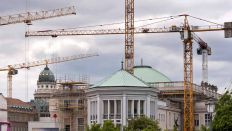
[
  {"x": 148, "y": 106},
  {"x": 108, "y": 109},
  {"x": 98, "y": 110},
  {"x": 115, "y": 108},
  {"x": 88, "y": 108},
  {"x": 138, "y": 107},
  {"x": 124, "y": 111}
]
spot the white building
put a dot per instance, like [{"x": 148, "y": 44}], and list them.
[
  {"x": 3, "y": 113},
  {"x": 44, "y": 124},
  {"x": 148, "y": 92},
  {"x": 120, "y": 97}
]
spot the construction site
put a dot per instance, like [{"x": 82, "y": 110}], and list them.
[{"x": 121, "y": 91}]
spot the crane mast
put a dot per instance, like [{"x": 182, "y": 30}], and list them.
[
  {"x": 129, "y": 35},
  {"x": 13, "y": 69},
  {"x": 39, "y": 15},
  {"x": 204, "y": 65},
  {"x": 188, "y": 76},
  {"x": 203, "y": 50}
]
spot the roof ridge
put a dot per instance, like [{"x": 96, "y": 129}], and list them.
[
  {"x": 105, "y": 79},
  {"x": 124, "y": 78},
  {"x": 139, "y": 79}
]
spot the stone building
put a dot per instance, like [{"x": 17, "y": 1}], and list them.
[
  {"x": 120, "y": 97},
  {"x": 123, "y": 96},
  {"x": 46, "y": 84},
  {"x": 19, "y": 113}
]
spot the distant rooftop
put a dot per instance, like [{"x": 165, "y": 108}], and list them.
[
  {"x": 150, "y": 75},
  {"x": 16, "y": 105}
]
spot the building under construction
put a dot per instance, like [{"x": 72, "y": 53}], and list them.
[
  {"x": 147, "y": 92},
  {"x": 68, "y": 106},
  {"x": 133, "y": 92},
  {"x": 66, "y": 103},
  {"x": 71, "y": 106}
]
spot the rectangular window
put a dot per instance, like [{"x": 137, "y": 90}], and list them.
[
  {"x": 142, "y": 107},
  {"x": 67, "y": 128},
  {"x": 196, "y": 119},
  {"x": 111, "y": 109},
  {"x": 152, "y": 109},
  {"x": 105, "y": 109},
  {"x": 118, "y": 112},
  {"x": 93, "y": 110},
  {"x": 129, "y": 108},
  {"x": 81, "y": 124},
  {"x": 135, "y": 108},
  {"x": 207, "y": 119}
]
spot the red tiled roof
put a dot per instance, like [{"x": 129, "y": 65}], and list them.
[{"x": 17, "y": 102}]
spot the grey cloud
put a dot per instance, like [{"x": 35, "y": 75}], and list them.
[{"x": 162, "y": 51}]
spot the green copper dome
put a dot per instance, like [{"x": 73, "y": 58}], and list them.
[
  {"x": 150, "y": 75},
  {"x": 121, "y": 79},
  {"x": 46, "y": 75}
]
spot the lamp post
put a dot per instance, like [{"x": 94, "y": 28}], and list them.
[{"x": 210, "y": 105}]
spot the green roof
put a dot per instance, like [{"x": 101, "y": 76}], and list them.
[
  {"x": 121, "y": 79},
  {"x": 149, "y": 75}
]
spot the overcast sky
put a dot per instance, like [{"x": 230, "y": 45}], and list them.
[{"x": 164, "y": 52}]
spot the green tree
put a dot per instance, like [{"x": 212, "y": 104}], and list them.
[
  {"x": 223, "y": 118},
  {"x": 94, "y": 127},
  {"x": 109, "y": 126},
  {"x": 142, "y": 124},
  {"x": 204, "y": 128}
]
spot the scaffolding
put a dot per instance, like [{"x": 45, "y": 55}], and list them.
[
  {"x": 175, "y": 90},
  {"x": 71, "y": 104}
]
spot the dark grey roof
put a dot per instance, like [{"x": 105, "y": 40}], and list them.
[{"x": 46, "y": 75}]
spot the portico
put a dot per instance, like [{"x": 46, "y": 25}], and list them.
[{"x": 119, "y": 98}]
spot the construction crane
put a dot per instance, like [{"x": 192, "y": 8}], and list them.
[
  {"x": 203, "y": 50},
  {"x": 188, "y": 76},
  {"x": 13, "y": 69},
  {"x": 186, "y": 33},
  {"x": 129, "y": 35},
  {"x": 28, "y": 17}
]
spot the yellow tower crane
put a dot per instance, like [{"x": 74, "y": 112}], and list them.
[
  {"x": 186, "y": 34},
  {"x": 13, "y": 69}
]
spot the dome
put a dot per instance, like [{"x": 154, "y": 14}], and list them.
[
  {"x": 121, "y": 79},
  {"x": 46, "y": 75},
  {"x": 150, "y": 75}
]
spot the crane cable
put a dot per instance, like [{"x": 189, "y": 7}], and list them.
[
  {"x": 170, "y": 18},
  {"x": 117, "y": 23},
  {"x": 27, "y": 53},
  {"x": 205, "y": 20}
]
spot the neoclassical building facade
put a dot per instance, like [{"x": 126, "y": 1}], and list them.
[
  {"x": 46, "y": 85},
  {"x": 120, "y": 97}
]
